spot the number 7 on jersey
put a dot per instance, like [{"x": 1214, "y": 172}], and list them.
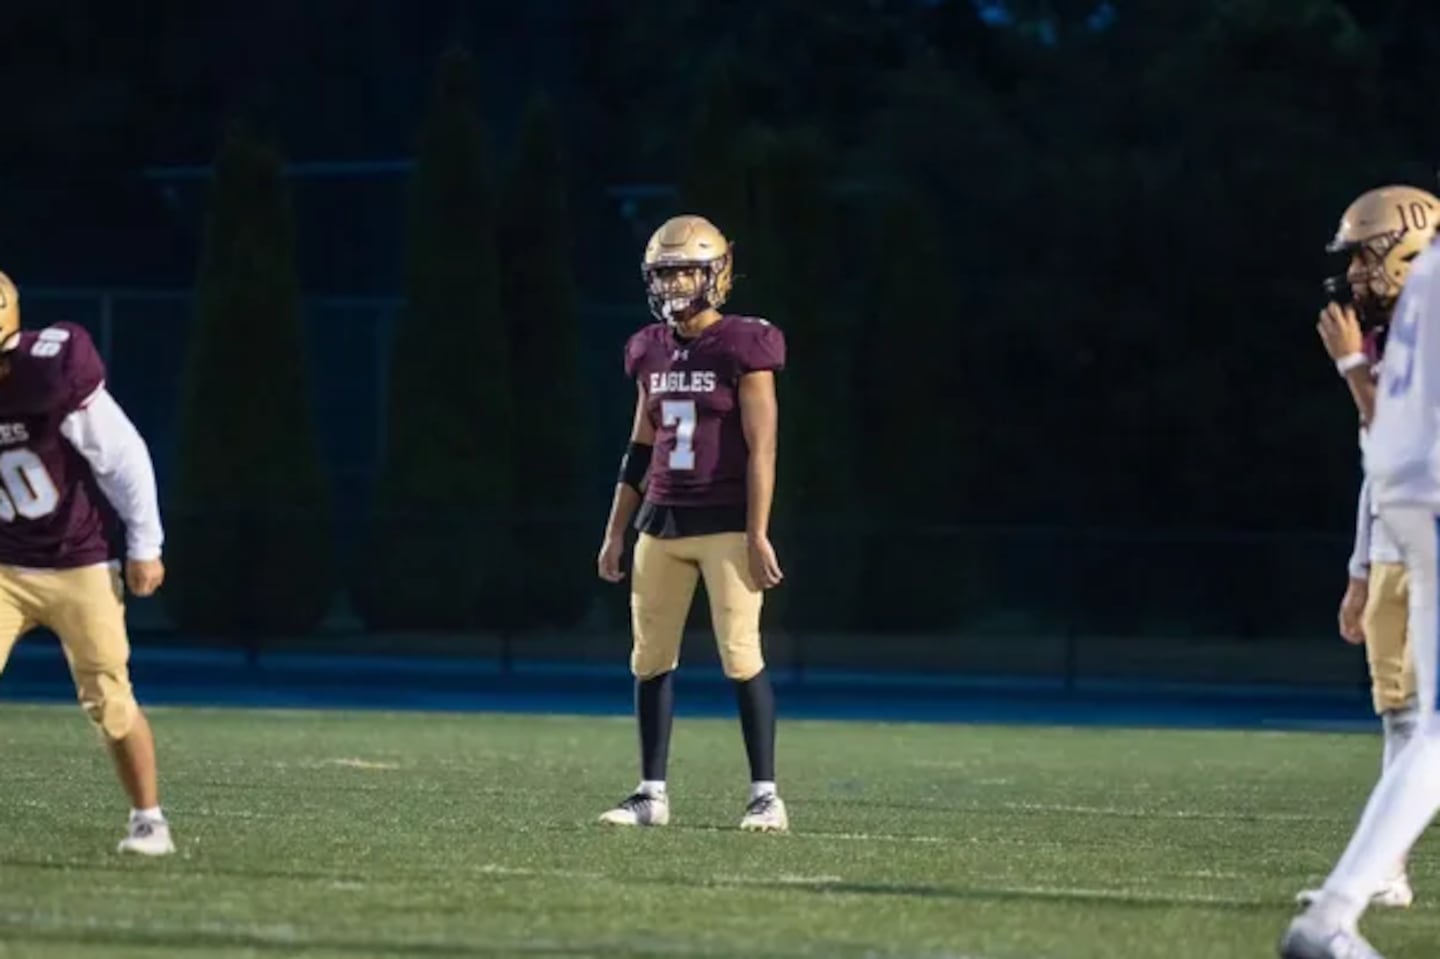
[{"x": 681, "y": 415}]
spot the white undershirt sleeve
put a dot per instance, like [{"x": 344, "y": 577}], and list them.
[
  {"x": 117, "y": 454},
  {"x": 1360, "y": 555}
]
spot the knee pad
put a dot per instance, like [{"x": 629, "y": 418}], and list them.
[
  {"x": 1392, "y": 679},
  {"x": 1392, "y": 694},
  {"x": 742, "y": 665},
  {"x": 109, "y": 702},
  {"x": 657, "y": 629},
  {"x": 649, "y": 659}
]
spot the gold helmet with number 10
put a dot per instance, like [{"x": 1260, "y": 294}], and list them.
[{"x": 1382, "y": 232}]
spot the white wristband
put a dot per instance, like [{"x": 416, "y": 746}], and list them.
[{"x": 1351, "y": 361}]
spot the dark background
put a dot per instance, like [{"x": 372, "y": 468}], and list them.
[{"x": 1048, "y": 270}]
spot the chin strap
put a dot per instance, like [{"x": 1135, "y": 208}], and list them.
[{"x": 695, "y": 307}]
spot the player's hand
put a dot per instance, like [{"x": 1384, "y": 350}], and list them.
[
  {"x": 1352, "y": 608},
  {"x": 764, "y": 567},
  {"x": 1339, "y": 330},
  {"x": 144, "y": 576},
  {"x": 608, "y": 562}
]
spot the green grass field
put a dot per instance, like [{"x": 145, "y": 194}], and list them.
[{"x": 368, "y": 834}]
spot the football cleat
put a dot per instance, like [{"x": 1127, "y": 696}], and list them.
[
  {"x": 639, "y": 809},
  {"x": 765, "y": 813},
  {"x": 148, "y": 837},
  {"x": 1308, "y": 938},
  {"x": 1395, "y": 894}
]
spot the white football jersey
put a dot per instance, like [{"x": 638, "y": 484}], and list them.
[
  {"x": 1402, "y": 451},
  {"x": 1373, "y": 541}
]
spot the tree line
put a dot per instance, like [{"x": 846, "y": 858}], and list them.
[{"x": 1058, "y": 273}]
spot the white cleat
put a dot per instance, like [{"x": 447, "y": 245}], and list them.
[
  {"x": 148, "y": 837},
  {"x": 639, "y": 809},
  {"x": 1308, "y": 938},
  {"x": 1395, "y": 894},
  {"x": 765, "y": 813}
]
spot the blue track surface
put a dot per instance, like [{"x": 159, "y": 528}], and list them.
[{"x": 36, "y": 673}]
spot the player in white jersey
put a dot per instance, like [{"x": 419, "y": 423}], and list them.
[
  {"x": 1380, "y": 233},
  {"x": 1402, "y": 464}
]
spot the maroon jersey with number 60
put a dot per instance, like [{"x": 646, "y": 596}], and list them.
[
  {"x": 52, "y": 513},
  {"x": 692, "y": 390}
]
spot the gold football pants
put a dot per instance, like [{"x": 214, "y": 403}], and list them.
[
  {"x": 86, "y": 608},
  {"x": 662, "y": 588},
  {"x": 1386, "y": 616}
]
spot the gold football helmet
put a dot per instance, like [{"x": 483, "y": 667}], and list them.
[
  {"x": 688, "y": 268},
  {"x": 1382, "y": 232},
  {"x": 9, "y": 313}
]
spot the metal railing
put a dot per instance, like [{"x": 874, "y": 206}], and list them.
[{"x": 1057, "y": 604}]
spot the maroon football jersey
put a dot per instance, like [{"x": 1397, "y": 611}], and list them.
[
  {"x": 1374, "y": 344},
  {"x": 52, "y": 513},
  {"x": 692, "y": 389}
]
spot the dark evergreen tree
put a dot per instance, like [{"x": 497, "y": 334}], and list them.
[
  {"x": 553, "y": 575},
  {"x": 440, "y": 544},
  {"x": 251, "y": 549}
]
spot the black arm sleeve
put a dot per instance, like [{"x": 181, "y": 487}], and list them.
[{"x": 634, "y": 466}]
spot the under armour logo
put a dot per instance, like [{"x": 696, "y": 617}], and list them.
[{"x": 680, "y": 355}]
